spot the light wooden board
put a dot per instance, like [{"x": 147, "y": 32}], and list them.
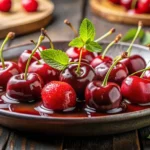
[
  {"x": 116, "y": 13},
  {"x": 22, "y": 22}
]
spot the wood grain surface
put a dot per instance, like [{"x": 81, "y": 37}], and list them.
[{"x": 21, "y": 22}]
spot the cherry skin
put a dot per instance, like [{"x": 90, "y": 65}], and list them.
[
  {"x": 58, "y": 96},
  {"x": 11, "y": 69},
  {"x": 22, "y": 90},
  {"x": 74, "y": 53},
  {"x": 117, "y": 75},
  {"x": 135, "y": 90},
  {"x": 78, "y": 82},
  {"x": 134, "y": 63},
  {"x": 103, "y": 98},
  {"x": 5, "y": 5},
  {"x": 143, "y": 6},
  {"x": 46, "y": 72},
  {"x": 30, "y": 5},
  {"x": 133, "y": 11},
  {"x": 126, "y": 3},
  {"x": 98, "y": 60},
  {"x": 115, "y": 1},
  {"x": 24, "y": 58},
  {"x": 147, "y": 75}
]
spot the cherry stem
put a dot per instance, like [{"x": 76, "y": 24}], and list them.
[
  {"x": 79, "y": 63},
  {"x": 9, "y": 36},
  {"x": 41, "y": 38},
  {"x": 35, "y": 44},
  {"x": 118, "y": 37},
  {"x": 106, "y": 35},
  {"x": 46, "y": 35},
  {"x": 136, "y": 35},
  {"x": 68, "y": 23},
  {"x": 133, "y": 4},
  {"x": 124, "y": 55}
]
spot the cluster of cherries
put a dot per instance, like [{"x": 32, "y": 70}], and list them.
[
  {"x": 28, "y": 5},
  {"x": 134, "y": 6},
  {"x": 98, "y": 79}
]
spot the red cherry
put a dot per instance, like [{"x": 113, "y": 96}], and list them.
[
  {"x": 135, "y": 89},
  {"x": 143, "y": 6},
  {"x": 133, "y": 12},
  {"x": 23, "y": 90},
  {"x": 126, "y": 3},
  {"x": 74, "y": 53},
  {"x": 98, "y": 60},
  {"x": 58, "y": 95},
  {"x": 46, "y": 72},
  {"x": 5, "y": 5},
  {"x": 117, "y": 75},
  {"x": 78, "y": 82},
  {"x": 103, "y": 98},
  {"x": 147, "y": 75},
  {"x": 115, "y": 1},
  {"x": 134, "y": 63},
  {"x": 30, "y": 5},
  {"x": 24, "y": 58},
  {"x": 10, "y": 69}
]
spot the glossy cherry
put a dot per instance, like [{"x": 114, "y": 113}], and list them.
[
  {"x": 115, "y": 1},
  {"x": 103, "y": 96},
  {"x": 5, "y": 5},
  {"x": 135, "y": 62},
  {"x": 143, "y": 6},
  {"x": 78, "y": 81},
  {"x": 30, "y": 5},
  {"x": 22, "y": 90},
  {"x": 27, "y": 86},
  {"x": 46, "y": 72},
  {"x": 22, "y": 61},
  {"x": 135, "y": 90},
  {"x": 7, "y": 68},
  {"x": 58, "y": 96}
]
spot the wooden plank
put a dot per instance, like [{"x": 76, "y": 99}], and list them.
[
  {"x": 90, "y": 143},
  {"x": 57, "y": 30},
  {"x": 145, "y": 141},
  {"x": 18, "y": 141},
  {"x": 4, "y": 134},
  {"x": 126, "y": 141},
  {"x": 102, "y": 25}
]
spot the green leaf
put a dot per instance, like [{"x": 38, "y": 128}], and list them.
[
  {"x": 146, "y": 39},
  {"x": 93, "y": 47},
  {"x": 148, "y": 137},
  {"x": 131, "y": 33},
  {"x": 87, "y": 30},
  {"x": 77, "y": 42},
  {"x": 55, "y": 58}
]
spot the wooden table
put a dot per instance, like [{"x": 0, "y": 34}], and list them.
[{"x": 75, "y": 11}]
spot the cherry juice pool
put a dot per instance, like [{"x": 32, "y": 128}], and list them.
[{"x": 81, "y": 110}]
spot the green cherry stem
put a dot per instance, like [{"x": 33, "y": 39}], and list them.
[
  {"x": 124, "y": 55},
  {"x": 136, "y": 35},
  {"x": 46, "y": 35},
  {"x": 118, "y": 37},
  {"x": 106, "y": 35},
  {"x": 35, "y": 44},
  {"x": 41, "y": 38},
  {"x": 9, "y": 36},
  {"x": 68, "y": 23},
  {"x": 79, "y": 63}
]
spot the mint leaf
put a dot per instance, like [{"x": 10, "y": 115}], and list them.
[
  {"x": 87, "y": 30},
  {"x": 77, "y": 42},
  {"x": 55, "y": 58},
  {"x": 93, "y": 47},
  {"x": 146, "y": 39},
  {"x": 131, "y": 33}
]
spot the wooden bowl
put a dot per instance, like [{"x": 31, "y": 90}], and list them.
[
  {"x": 80, "y": 126},
  {"x": 117, "y": 13}
]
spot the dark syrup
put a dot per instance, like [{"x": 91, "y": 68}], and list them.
[{"x": 81, "y": 110}]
